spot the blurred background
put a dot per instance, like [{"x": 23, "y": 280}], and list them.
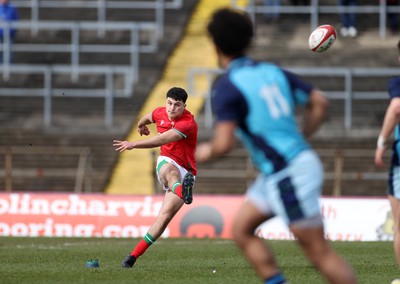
[{"x": 79, "y": 74}]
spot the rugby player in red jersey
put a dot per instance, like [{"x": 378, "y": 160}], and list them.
[{"x": 176, "y": 165}]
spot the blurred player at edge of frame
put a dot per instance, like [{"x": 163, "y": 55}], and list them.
[
  {"x": 256, "y": 101},
  {"x": 391, "y": 123},
  {"x": 176, "y": 165}
]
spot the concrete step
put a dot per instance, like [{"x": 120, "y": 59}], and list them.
[{"x": 102, "y": 154}]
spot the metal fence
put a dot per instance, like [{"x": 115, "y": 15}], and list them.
[
  {"x": 341, "y": 170},
  {"x": 102, "y": 7},
  {"x": 109, "y": 92},
  {"x": 315, "y": 9},
  {"x": 144, "y": 37},
  {"x": 128, "y": 72},
  {"x": 81, "y": 172},
  {"x": 75, "y": 48},
  {"x": 348, "y": 95}
]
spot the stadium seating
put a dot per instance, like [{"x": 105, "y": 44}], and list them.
[
  {"x": 79, "y": 122},
  {"x": 285, "y": 43}
]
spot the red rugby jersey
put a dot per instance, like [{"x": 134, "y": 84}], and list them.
[{"x": 183, "y": 150}]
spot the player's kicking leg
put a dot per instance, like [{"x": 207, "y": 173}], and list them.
[
  {"x": 187, "y": 188},
  {"x": 169, "y": 208},
  {"x": 169, "y": 176}
]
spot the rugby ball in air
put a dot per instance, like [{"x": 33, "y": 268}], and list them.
[{"x": 322, "y": 38}]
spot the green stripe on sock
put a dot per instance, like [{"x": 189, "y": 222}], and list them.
[
  {"x": 175, "y": 185},
  {"x": 149, "y": 239}
]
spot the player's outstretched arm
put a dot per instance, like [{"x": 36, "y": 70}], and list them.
[
  {"x": 123, "y": 145},
  {"x": 152, "y": 142}
]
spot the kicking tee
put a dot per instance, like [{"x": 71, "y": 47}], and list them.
[{"x": 183, "y": 150}]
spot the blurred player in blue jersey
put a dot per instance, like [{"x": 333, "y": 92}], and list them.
[
  {"x": 8, "y": 13},
  {"x": 256, "y": 101},
  {"x": 391, "y": 123}
]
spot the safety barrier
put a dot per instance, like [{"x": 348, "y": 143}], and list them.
[
  {"x": 348, "y": 94},
  {"x": 315, "y": 9},
  {"x": 81, "y": 173},
  {"x": 337, "y": 174},
  {"x": 143, "y": 39},
  {"x": 48, "y": 91},
  {"x": 102, "y": 7},
  {"x": 76, "y": 47}
]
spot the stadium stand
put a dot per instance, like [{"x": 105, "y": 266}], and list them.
[
  {"x": 346, "y": 153},
  {"x": 79, "y": 122}
]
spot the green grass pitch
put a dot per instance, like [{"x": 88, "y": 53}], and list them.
[{"x": 62, "y": 260}]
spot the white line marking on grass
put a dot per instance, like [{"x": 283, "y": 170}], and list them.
[
  {"x": 82, "y": 243},
  {"x": 189, "y": 242},
  {"x": 44, "y": 247}
]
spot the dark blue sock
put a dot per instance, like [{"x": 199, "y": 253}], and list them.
[{"x": 276, "y": 279}]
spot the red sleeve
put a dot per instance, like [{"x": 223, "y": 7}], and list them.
[
  {"x": 184, "y": 126},
  {"x": 155, "y": 115}
]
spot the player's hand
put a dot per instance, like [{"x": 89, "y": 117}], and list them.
[
  {"x": 203, "y": 152},
  {"x": 143, "y": 130},
  {"x": 379, "y": 152},
  {"x": 122, "y": 145}
]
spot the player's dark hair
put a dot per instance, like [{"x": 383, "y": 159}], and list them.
[
  {"x": 398, "y": 45},
  {"x": 177, "y": 94},
  {"x": 231, "y": 30}
]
